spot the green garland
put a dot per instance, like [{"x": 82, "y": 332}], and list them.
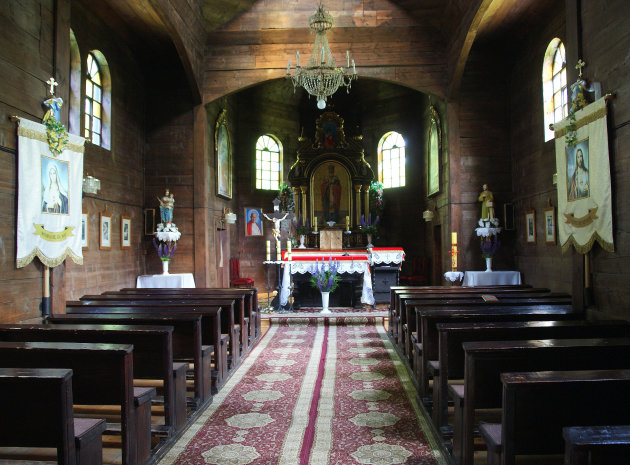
[
  {"x": 577, "y": 104},
  {"x": 57, "y": 136}
]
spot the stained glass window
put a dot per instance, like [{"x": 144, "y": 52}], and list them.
[{"x": 93, "y": 101}]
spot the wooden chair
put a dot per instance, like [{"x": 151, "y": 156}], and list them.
[
  {"x": 235, "y": 275},
  {"x": 419, "y": 273}
]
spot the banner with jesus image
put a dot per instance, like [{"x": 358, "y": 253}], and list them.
[
  {"x": 49, "y": 198},
  {"x": 584, "y": 192}
]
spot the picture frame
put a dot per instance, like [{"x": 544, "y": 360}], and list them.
[
  {"x": 125, "y": 232},
  {"x": 508, "y": 216},
  {"x": 434, "y": 151},
  {"x": 331, "y": 175},
  {"x": 105, "y": 231},
  {"x": 530, "y": 226},
  {"x": 550, "y": 225},
  {"x": 149, "y": 221},
  {"x": 253, "y": 222},
  {"x": 223, "y": 152},
  {"x": 85, "y": 230}
]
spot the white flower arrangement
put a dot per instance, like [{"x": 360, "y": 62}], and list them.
[
  {"x": 168, "y": 232},
  {"x": 489, "y": 222}
]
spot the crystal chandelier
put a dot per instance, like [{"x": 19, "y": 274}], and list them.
[{"x": 321, "y": 77}]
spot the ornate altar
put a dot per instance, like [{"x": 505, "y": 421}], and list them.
[{"x": 330, "y": 178}]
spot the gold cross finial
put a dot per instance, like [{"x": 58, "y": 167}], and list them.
[
  {"x": 579, "y": 66},
  {"x": 52, "y": 83}
]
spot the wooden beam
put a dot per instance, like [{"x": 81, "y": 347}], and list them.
[
  {"x": 462, "y": 43},
  {"x": 200, "y": 199}
]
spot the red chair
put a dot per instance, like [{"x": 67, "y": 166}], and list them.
[
  {"x": 419, "y": 274},
  {"x": 235, "y": 275}
]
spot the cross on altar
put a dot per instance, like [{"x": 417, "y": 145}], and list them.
[
  {"x": 52, "y": 83},
  {"x": 579, "y": 66}
]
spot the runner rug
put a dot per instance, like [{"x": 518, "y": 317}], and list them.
[{"x": 320, "y": 392}]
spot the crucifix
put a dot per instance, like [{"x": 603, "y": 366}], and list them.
[
  {"x": 276, "y": 218},
  {"x": 579, "y": 66},
  {"x": 52, "y": 83}
]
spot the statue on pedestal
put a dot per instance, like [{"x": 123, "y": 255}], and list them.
[
  {"x": 487, "y": 203},
  {"x": 167, "y": 203}
]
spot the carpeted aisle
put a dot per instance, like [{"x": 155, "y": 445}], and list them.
[{"x": 313, "y": 391}]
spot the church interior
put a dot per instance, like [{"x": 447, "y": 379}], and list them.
[{"x": 457, "y": 116}]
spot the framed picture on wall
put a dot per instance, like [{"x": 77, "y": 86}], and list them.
[
  {"x": 550, "y": 225},
  {"x": 223, "y": 151},
  {"x": 105, "y": 228},
  {"x": 530, "y": 226},
  {"x": 149, "y": 221},
  {"x": 253, "y": 224},
  {"x": 434, "y": 149},
  {"x": 85, "y": 237},
  {"x": 125, "y": 232}
]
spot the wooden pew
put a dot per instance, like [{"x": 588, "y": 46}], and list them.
[
  {"x": 36, "y": 406},
  {"x": 537, "y": 405},
  {"x": 251, "y": 301},
  {"x": 211, "y": 323},
  {"x": 596, "y": 445},
  {"x": 428, "y": 317},
  {"x": 451, "y": 336},
  {"x": 187, "y": 346},
  {"x": 102, "y": 374},
  {"x": 410, "y": 306},
  {"x": 152, "y": 357},
  {"x": 242, "y": 316},
  {"x": 486, "y": 360}
]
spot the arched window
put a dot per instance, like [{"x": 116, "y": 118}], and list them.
[
  {"x": 391, "y": 160},
  {"x": 554, "y": 79},
  {"x": 97, "y": 103},
  {"x": 268, "y": 163},
  {"x": 74, "y": 108}
]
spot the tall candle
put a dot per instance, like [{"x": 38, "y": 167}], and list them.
[
  {"x": 278, "y": 251},
  {"x": 289, "y": 67},
  {"x": 347, "y": 223},
  {"x": 347, "y": 59},
  {"x": 454, "y": 238},
  {"x": 354, "y": 70},
  {"x": 289, "y": 249},
  {"x": 297, "y": 57},
  {"x": 268, "y": 251},
  {"x": 454, "y": 257},
  {"x": 315, "y": 224}
]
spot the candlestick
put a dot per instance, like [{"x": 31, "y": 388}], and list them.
[
  {"x": 347, "y": 59},
  {"x": 315, "y": 224},
  {"x": 297, "y": 57},
  {"x": 347, "y": 223},
  {"x": 454, "y": 238},
  {"x": 278, "y": 251},
  {"x": 268, "y": 251},
  {"x": 289, "y": 67},
  {"x": 354, "y": 70}
]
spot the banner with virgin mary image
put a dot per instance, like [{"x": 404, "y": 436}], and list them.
[
  {"x": 584, "y": 193},
  {"x": 49, "y": 197}
]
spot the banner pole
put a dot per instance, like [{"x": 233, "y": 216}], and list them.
[{"x": 46, "y": 293}]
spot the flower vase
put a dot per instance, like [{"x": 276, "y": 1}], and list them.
[
  {"x": 165, "y": 266},
  {"x": 489, "y": 264},
  {"x": 325, "y": 296},
  {"x": 369, "y": 239},
  {"x": 302, "y": 238}
]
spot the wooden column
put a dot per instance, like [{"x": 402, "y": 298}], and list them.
[
  {"x": 200, "y": 202},
  {"x": 304, "y": 190},
  {"x": 366, "y": 201},
  {"x": 357, "y": 204}
]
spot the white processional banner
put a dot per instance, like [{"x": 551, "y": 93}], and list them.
[
  {"x": 584, "y": 192},
  {"x": 49, "y": 198}
]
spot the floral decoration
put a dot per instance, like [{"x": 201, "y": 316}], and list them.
[
  {"x": 165, "y": 250},
  {"x": 285, "y": 195},
  {"x": 489, "y": 246},
  {"x": 367, "y": 226},
  {"x": 167, "y": 232},
  {"x": 302, "y": 229},
  {"x": 325, "y": 277},
  {"x": 376, "y": 198},
  {"x": 57, "y": 136},
  {"x": 578, "y": 102}
]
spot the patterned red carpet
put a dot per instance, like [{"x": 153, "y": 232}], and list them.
[{"x": 318, "y": 392}]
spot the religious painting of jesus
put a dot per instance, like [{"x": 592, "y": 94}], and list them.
[
  {"x": 578, "y": 185},
  {"x": 331, "y": 192}
]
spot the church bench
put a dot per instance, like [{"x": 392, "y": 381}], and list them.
[
  {"x": 408, "y": 308},
  {"x": 537, "y": 405},
  {"x": 187, "y": 345},
  {"x": 241, "y": 320},
  {"x": 36, "y": 406},
  {"x": 427, "y": 347},
  {"x": 596, "y": 445},
  {"x": 211, "y": 322},
  {"x": 152, "y": 357},
  {"x": 395, "y": 290},
  {"x": 102, "y": 374},
  {"x": 228, "y": 324},
  {"x": 451, "y": 336},
  {"x": 486, "y": 360},
  {"x": 251, "y": 301}
]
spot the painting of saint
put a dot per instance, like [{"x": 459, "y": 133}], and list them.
[
  {"x": 253, "y": 227},
  {"x": 224, "y": 157},
  {"x": 54, "y": 186},
  {"x": 578, "y": 186},
  {"x": 331, "y": 192},
  {"x": 330, "y": 136}
]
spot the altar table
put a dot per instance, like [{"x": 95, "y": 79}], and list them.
[
  {"x": 174, "y": 280},
  {"x": 491, "y": 278}
]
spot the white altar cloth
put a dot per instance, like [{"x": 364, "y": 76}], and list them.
[
  {"x": 174, "y": 280},
  {"x": 491, "y": 278},
  {"x": 359, "y": 264}
]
